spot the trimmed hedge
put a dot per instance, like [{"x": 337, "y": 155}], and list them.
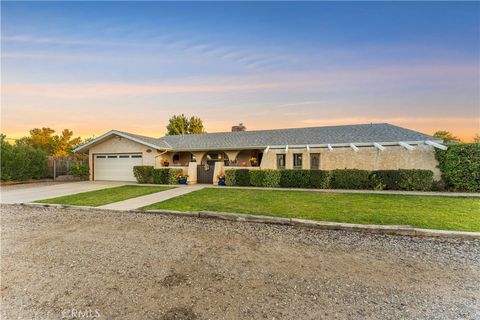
[
  {"x": 421, "y": 180},
  {"x": 402, "y": 179},
  {"x": 166, "y": 175},
  {"x": 349, "y": 179},
  {"x": 20, "y": 162},
  {"x": 143, "y": 174},
  {"x": 291, "y": 178},
  {"x": 237, "y": 177},
  {"x": 460, "y": 166}
]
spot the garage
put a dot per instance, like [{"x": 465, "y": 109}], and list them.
[{"x": 116, "y": 167}]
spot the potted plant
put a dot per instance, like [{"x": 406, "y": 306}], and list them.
[
  {"x": 221, "y": 179},
  {"x": 165, "y": 162},
  {"x": 182, "y": 178},
  {"x": 253, "y": 161}
]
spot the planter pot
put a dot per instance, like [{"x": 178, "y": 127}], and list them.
[
  {"x": 182, "y": 181},
  {"x": 166, "y": 164},
  {"x": 221, "y": 182}
]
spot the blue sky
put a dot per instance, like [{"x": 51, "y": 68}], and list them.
[{"x": 94, "y": 66}]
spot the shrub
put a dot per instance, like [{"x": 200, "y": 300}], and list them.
[
  {"x": 257, "y": 178},
  {"x": 319, "y": 179},
  {"x": 237, "y": 177},
  {"x": 349, "y": 179},
  {"x": 460, "y": 166},
  {"x": 294, "y": 178},
  {"x": 265, "y": 178},
  {"x": 166, "y": 175},
  {"x": 79, "y": 170},
  {"x": 143, "y": 174},
  {"x": 271, "y": 179},
  {"x": 402, "y": 179},
  {"x": 22, "y": 162},
  {"x": 420, "y": 180}
]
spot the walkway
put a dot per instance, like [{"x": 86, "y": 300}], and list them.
[{"x": 143, "y": 201}]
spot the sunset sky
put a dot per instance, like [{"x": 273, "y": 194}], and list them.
[{"x": 96, "y": 66}]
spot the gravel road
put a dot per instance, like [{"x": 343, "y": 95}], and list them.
[{"x": 76, "y": 264}]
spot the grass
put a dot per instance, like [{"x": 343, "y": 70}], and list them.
[
  {"x": 430, "y": 212},
  {"x": 105, "y": 196}
]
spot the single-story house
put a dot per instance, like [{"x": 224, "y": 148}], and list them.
[{"x": 382, "y": 146}]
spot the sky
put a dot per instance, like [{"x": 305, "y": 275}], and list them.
[{"x": 96, "y": 66}]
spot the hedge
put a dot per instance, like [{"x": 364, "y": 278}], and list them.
[
  {"x": 143, "y": 174},
  {"x": 349, "y": 179},
  {"x": 79, "y": 170},
  {"x": 166, "y": 175},
  {"x": 460, "y": 166},
  {"x": 237, "y": 177},
  {"x": 337, "y": 179},
  {"x": 402, "y": 179},
  {"x": 22, "y": 162}
]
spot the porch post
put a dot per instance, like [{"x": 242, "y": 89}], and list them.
[
  {"x": 232, "y": 155},
  {"x": 199, "y": 155}
]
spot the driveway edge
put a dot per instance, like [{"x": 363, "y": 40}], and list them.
[{"x": 404, "y": 230}]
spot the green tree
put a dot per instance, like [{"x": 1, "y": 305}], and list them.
[
  {"x": 476, "y": 138},
  {"x": 180, "y": 124},
  {"x": 447, "y": 136},
  {"x": 55, "y": 145}
]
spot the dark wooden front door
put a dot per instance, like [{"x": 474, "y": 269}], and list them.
[{"x": 205, "y": 173}]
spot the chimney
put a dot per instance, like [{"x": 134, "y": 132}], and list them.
[{"x": 238, "y": 128}]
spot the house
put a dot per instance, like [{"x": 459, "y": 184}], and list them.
[{"x": 202, "y": 156}]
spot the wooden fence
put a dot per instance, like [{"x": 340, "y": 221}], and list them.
[{"x": 60, "y": 166}]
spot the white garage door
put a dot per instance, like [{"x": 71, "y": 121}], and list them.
[{"x": 116, "y": 167}]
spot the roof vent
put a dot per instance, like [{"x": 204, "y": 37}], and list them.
[{"x": 238, "y": 128}]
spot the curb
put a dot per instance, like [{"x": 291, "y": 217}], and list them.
[{"x": 403, "y": 230}]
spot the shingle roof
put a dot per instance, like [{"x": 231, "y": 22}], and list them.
[
  {"x": 335, "y": 135},
  {"x": 363, "y": 133}
]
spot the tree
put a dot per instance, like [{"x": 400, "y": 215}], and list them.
[
  {"x": 180, "y": 125},
  {"x": 55, "y": 145},
  {"x": 476, "y": 138},
  {"x": 446, "y": 136}
]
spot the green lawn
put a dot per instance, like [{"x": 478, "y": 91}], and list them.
[
  {"x": 105, "y": 196},
  {"x": 431, "y": 212}
]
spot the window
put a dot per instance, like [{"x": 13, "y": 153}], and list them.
[
  {"x": 124, "y": 156},
  {"x": 315, "y": 161},
  {"x": 112, "y": 157},
  {"x": 297, "y": 160},
  {"x": 136, "y": 155},
  {"x": 100, "y": 157},
  {"x": 280, "y": 161}
]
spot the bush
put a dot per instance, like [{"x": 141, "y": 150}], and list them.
[
  {"x": 402, "y": 179},
  {"x": 349, "y": 179},
  {"x": 79, "y": 170},
  {"x": 460, "y": 166},
  {"x": 143, "y": 174},
  {"x": 319, "y": 179},
  {"x": 166, "y": 175},
  {"x": 237, "y": 177},
  {"x": 21, "y": 162},
  {"x": 265, "y": 178},
  {"x": 295, "y": 178}
]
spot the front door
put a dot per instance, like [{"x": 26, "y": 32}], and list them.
[{"x": 205, "y": 173}]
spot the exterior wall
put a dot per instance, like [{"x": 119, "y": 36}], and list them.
[
  {"x": 367, "y": 158},
  {"x": 122, "y": 145}
]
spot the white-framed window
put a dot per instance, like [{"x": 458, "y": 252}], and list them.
[{"x": 281, "y": 161}]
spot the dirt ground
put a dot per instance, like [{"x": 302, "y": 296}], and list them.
[{"x": 74, "y": 264}]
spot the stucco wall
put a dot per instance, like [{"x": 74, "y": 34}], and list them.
[
  {"x": 122, "y": 145},
  {"x": 367, "y": 158}
]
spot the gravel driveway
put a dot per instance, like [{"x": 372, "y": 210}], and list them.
[{"x": 67, "y": 262}]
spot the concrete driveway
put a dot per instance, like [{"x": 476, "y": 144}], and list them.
[{"x": 32, "y": 192}]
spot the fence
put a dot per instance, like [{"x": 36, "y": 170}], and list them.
[{"x": 60, "y": 166}]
